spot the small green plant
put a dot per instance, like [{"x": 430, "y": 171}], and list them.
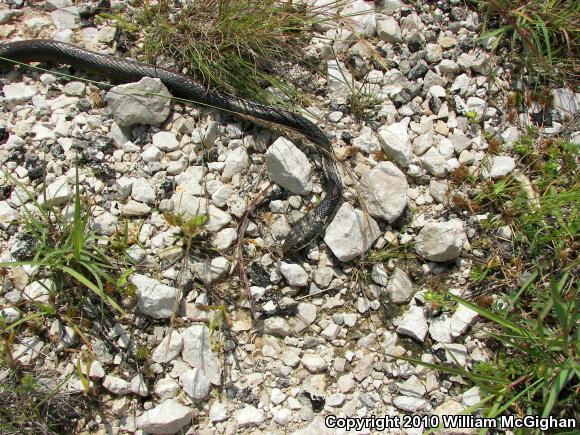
[
  {"x": 471, "y": 116},
  {"x": 83, "y": 275},
  {"x": 535, "y": 369},
  {"x": 142, "y": 354},
  {"x": 543, "y": 35},
  {"x": 29, "y": 405},
  {"x": 69, "y": 252},
  {"x": 436, "y": 299},
  {"x": 362, "y": 103}
]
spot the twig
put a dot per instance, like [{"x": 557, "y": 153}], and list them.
[{"x": 240, "y": 245}]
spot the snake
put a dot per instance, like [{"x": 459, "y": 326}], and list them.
[{"x": 125, "y": 70}]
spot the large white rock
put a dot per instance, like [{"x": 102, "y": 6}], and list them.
[
  {"x": 39, "y": 291},
  {"x": 351, "y": 233},
  {"x": 168, "y": 417},
  {"x": 237, "y": 162},
  {"x": 56, "y": 193},
  {"x": 400, "y": 287},
  {"x": 389, "y": 30},
  {"x": 212, "y": 270},
  {"x": 166, "y": 141},
  {"x": 434, "y": 162},
  {"x": 499, "y": 167},
  {"x": 18, "y": 93},
  {"x": 396, "y": 143},
  {"x": 414, "y": 324},
  {"x": 411, "y": 404},
  {"x": 277, "y": 326},
  {"x": 294, "y": 274},
  {"x": 339, "y": 81},
  {"x": 188, "y": 206},
  {"x": 116, "y": 385},
  {"x": 7, "y": 215},
  {"x": 104, "y": 224},
  {"x": 314, "y": 363},
  {"x": 142, "y": 191},
  {"x": 169, "y": 348},
  {"x": 440, "y": 329},
  {"x": 441, "y": 241},
  {"x": 305, "y": 315},
  {"x": 384, "y": 189},
  {"x": 462, "y": 319},
  {"x": 66, "y": 18},
  {"x": 249, "y": 416},
  {"x": 218, "y": 412},
  {"x": 28, "y": 350},
  {"x": 565, "y": 100},
  {"x": 195, "y": 383},
  {"x": 197, "y": 353},
  {"x": 289, "y": 167},
  {"x": 146, "y": 102},
  {"x": 154, "y": 298},
  {"x": 362, "y": 15}
]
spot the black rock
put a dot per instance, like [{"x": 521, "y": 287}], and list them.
[
  {"x": 258, "y": 275},
  {"x": 57, "y": 151},
  {"x": 166, "y": 188},
  {"x": 84, "y": 105},
  {"x": 5, "y": 192},
  {"x": 418, "y": 71},
  {"x": 346, "y": 136},
  {"x": 24, "y": 247},
  {"x": 458, "y": 14},
  {"x": 3, "y": 135},
  {"x": 283, "y": 382}
]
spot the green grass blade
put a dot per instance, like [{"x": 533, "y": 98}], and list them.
[
  {"x": 556, "y": 293},
  {"x": 514, "y": 399},
  {"x": 99, "y": 292},
  {"x": 558, "y": 385},
  {"x": 78, "y": 227},
  {"x": 491, "y": 316}
]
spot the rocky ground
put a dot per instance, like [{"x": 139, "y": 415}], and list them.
[{"x": 331, "y": 322}]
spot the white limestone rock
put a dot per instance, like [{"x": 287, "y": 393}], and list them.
[
  {"x": 197, "y": 352},
  {"x": 146, "y": 102},
  {"x": 249, "y": 416},
  {"x": 289, "y": 167},
  {"x": 350, "y": 233},
  {"x": 195, "y": 383},
  {"x": 237, "y": 162},
  {"x": 396, "y": 143},
  {"x": 441, "y": 241},
  {"x": 154, "y": 298},
  {"x": 168, "y": 417},
  {"x": 169, "y": 348},
  {"x": 56, "y": 193},
  {"x": 499, "y": 167},
  {"x": 400, "y": 287},
  {"x": 414, "y": 324},
  {"x": 294, "y": 274},
  {"x": 7, "y": 215},
  {"x": 384, "y": 188}
]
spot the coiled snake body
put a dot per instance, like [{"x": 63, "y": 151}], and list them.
[{"x": 181, "y": 86}]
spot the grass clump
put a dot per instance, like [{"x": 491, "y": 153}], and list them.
[
  {"x": 82, "y": 272},
  {"x": 30, "y": 404},
  {"x": 545, "y": 32},
  {"x": 532, "y": 317},
  {"x": 234, "y": 45}
]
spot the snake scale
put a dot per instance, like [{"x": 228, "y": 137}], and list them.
[{"x": 182, "y": 86}]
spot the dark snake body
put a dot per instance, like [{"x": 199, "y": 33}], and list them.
[{"x": 182, "y": 86}]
